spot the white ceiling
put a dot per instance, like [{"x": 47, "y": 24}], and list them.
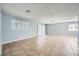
[{"x": 44, "y": 12}]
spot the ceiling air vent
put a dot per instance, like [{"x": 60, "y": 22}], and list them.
[{"x": 53, "y": 20}]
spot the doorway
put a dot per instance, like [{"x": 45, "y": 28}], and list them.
[{"x": 41, "y": 29}]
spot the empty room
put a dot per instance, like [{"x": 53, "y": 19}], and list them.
[{"x": 39, "y": 29}]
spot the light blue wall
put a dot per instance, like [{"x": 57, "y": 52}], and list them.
[
  {"x": 0, "y": 24},
  {"x": 10, "y": 35},
  {"x": 0, "y": 32},
  {"x": 78, "y": 34},
  {"x": 60, "y": 29}
]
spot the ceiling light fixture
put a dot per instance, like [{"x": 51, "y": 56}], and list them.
[{"x": 28, "y": 11}]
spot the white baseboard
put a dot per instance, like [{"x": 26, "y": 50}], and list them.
[
  {"x": 18, "y": 39},
  {"x": 0, "y": 49}
]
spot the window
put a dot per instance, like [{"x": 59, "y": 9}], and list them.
[
  {"x": 73, "y": 27},
  {"x": 19, "y": 25}
]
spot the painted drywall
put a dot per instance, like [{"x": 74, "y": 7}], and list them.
[
  {"x": 78, "y": 33},
  {"x": 9, "y": 35},
  {"x": 60, "y": 29},
  {"x": 0, "y": 32}
]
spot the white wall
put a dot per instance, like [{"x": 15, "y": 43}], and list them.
[{"x": 0, "y": 31}]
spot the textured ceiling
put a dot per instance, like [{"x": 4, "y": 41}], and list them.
[{"x": 44, "y": 12}]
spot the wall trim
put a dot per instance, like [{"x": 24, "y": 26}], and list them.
[
  {"x": 61, "y": 21},
  {"x": 19, "y": 39}
]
